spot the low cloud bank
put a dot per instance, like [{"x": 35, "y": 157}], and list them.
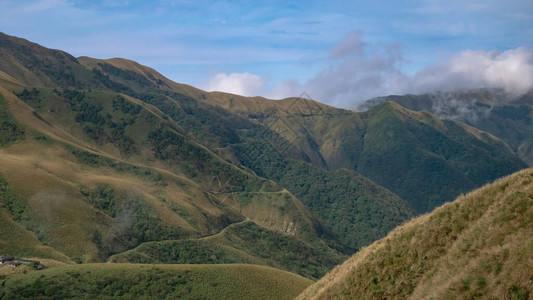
[
  {"x": 511, "y": 70},
  {"x": 356, "y": 72}
]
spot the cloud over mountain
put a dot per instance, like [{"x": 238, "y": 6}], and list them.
[
  {"x": 356, "y": 71},
  {"x": 245, "y": 84},
  {"x": 511, "y": 70}
]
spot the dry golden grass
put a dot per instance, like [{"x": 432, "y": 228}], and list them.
[
  {"x": 15, "y": 238},
  {"x": 49, "y": 183},
  {"x": 479, "y": 246},
  {"x": 49, "y": 178}
]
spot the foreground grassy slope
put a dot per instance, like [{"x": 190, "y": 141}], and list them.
[
  {"x": 480, "y": 245},
  {"x": 127, "y": 281}
]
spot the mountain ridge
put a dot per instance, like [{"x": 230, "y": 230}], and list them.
[
  {"x": 475, "y": 247},
  {"x": 505, "y": 115}
]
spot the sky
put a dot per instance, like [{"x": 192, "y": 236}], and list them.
[{"x": 338, "y": 52}]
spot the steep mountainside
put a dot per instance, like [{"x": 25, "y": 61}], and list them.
[
  {"x": 504, "y": 115},
  {"x": 130, "y": 113},
  {"x": 424, "y": 160},
  {"x": 87, "y": 173},
  {"x": 479, "y": 246},
  {"x": 108, "y": 160}
]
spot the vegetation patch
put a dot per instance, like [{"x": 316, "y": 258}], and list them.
[
  {"x": 244, "y": 242},
  {"x": 15, "y": 205},
  {"x": 356, "y": 210},
  {"x": 102, "y": 198},
  {"x": 95, "y": 160},
  {"x": 10, "y": 129}
]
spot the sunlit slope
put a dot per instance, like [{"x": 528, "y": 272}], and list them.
[
  {"x": 89, "y": 205},
  {"x": 156, "y": 281},
  {"x": 479, "y": 246}
]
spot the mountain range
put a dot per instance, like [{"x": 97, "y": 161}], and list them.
[{"x": 109, "y": 161}]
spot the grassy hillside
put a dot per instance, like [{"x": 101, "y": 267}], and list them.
[
  {"x": 86, "y": 173},
  {"x": 30, "y": 64},
  {"x": 114, "y": 205},
  {"x": 438, "y": 160},
  {"x": 130, "y": 119},
  {"x": 127, "y": 281},
  {"x": 479, "y": 246}
]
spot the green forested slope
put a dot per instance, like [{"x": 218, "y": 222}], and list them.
[{"x": 424, "y": 160}]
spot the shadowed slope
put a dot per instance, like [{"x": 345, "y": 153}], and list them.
[
  {"x": 425, "y": 160},
  {"x": 492, "y": 110}
]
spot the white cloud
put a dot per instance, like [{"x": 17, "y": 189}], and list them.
[
  {"x": 352, "y": 76},
  {"x": 244, "y": 84},
  {"x": 288, "y": 88},
  {"x": 511, "y": 70}
]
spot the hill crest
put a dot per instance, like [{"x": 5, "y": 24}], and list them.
[{"x": 477, "y": 246}]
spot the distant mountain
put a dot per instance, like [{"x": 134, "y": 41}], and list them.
[
  {"x": 507, "y": 116},
  {"x": 478, "y": 246},
  {"x": 424, "y": 160}
]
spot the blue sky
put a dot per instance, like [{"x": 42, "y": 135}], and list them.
[{"x": 340, "y": 52}]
